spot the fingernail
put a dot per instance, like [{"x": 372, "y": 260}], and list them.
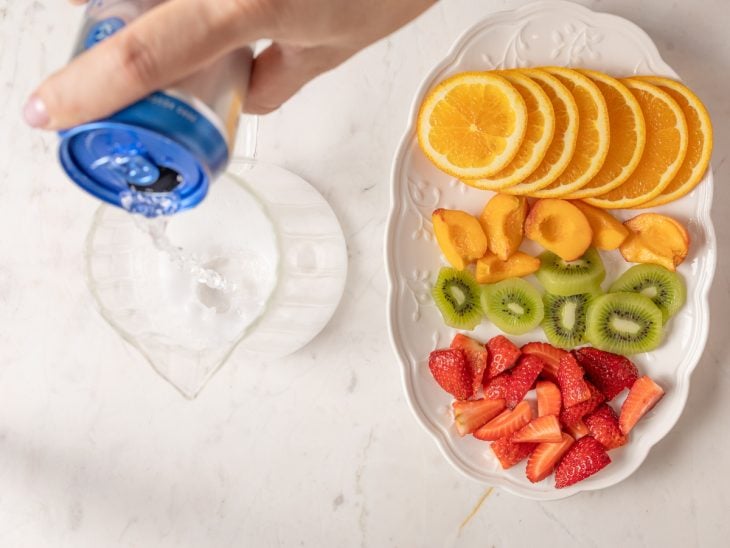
[{"x": 35, "y": 112}]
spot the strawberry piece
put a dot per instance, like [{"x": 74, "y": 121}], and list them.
[
  {"x": 550, "y": 355},
  {"x": 545, "y": 456},
  {"x": 510, "y": 453},
  {"x": 451, "y": 372},
  {"x": 539, "y": 430},
  {"x": 506, "y": 423},
  {"x": 496, "y": 388},
  {"x": 584, "y": 458},
  {"x": 577, "y": 430},
  {"x": 610, "y": 373},
  {"x": 548, "y": 399},
  {"x": 603, "y": 425},
  {"x": 644, "y": 395},
  {"x": 573, "y": 387},
  {"x": 503, "y": 355},
  {"x": 573, "y": 415},
  {"x": 522, "y": 378},
  {"x": 470, "y": 415},
  {"x": 476, "y": 357}
]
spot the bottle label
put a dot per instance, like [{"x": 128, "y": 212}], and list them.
[{"x": 103, "y": 30}]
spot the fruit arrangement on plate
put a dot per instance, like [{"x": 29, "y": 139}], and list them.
[{"x": 560, "y": 147}]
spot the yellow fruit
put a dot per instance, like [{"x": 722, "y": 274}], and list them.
[
  {"x": 628, "y": 137},
  {"x": 560, "y": 227},
  {"x": 491, "y": 269},
  {"x": 655, "y": 239},
  {"x": 699, "y": 147},
  {"x": 608, "y": 232},
  {"x": 459, "y": 235},
  {"x": 561, "y": 148},
  {"x": 594, "y": 135},
  {"x": 472, "y": 124},
  {"x": 539, "y": 135},
  {"x": 666, "y": 148},
  {"x": 503, "y": 222}
]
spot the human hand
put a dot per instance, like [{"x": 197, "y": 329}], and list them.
[{"x": 179, "y": 37}]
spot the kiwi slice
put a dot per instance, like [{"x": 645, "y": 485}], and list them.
[
  {"x": 565, "y": 318},
  {"x": 624, "y": 323},
  {"x": 456, "y": 294},
  {"x": 662, "y": 286},
  {"x": 561, "y": 277},
  {"x": 513, "y": 305}
]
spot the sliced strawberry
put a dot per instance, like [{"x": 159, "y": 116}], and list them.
[
  {"x": 573, "y": 415},
  {"x": 510, "y": 453},
  {"x": 584, "y": 458},
  {"x": 503, "y": 354},
  {"x": 470, "y": 415},
  {"x": 539, "y": 430},
  {"x": 496, "y": 388},
  {"x": 610, "y": 373},
  {"x": 548, "y": 399},
  {"x": 603, "y": 425},
  {"x": 451, "y": 371},
  {"x": 522, "y": 378},
  {"x": 506, "y": 423},
  {"x": 545, "y": 456},
  {"x": 577, "y": 430},
  {"x": 573, "y": 387},
  {"x": 642, "y": 397},
  {"x": 550, "y": 355},
  {"x": 476, "y": 358}
]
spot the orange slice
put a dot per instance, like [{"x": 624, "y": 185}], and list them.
[
  {"x": 699, "y": 147},
  {"x": 538, "y": 136},
  {"x": 628, "y": 136},
  {"x": 593, "y": 135},
  {"x": 666, "y": 148},
  {"x": 472, "y": 125},
  {"x": 561, "y": 148}
]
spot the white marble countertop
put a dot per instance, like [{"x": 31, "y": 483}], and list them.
[{"x": 319, "y": 449}]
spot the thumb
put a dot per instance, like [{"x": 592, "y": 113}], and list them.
[{"x": 281, "y": 70}]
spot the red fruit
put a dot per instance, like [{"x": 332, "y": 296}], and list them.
[
  {"x": 584, "y": 458},
  {"x": 470, "y": 415},
  {"x": 543, "y": 458},
  {"x": 451, "y": 371},
  {"x": 603, "y": 425},
  {"x": 610, "y": 373},
  {"x": 550, "y": 355},
  {"x": 496, "y": 388},
  {"x": 476, "y": 357},
  {"x": 539, "y": 430},
  {"x": 577, "y": 430},
  {"x": 522, "y": 378},
  {"x": 548, "y": 399},
  {"x": 573, "y": 415},
  {"x": 506, "y": 423},
  {"x": 510, "y": 453},
  {"x": 642, "y": 397},
  {"x": 573, "y": 387},
  {"x": 503, "y": 354}
]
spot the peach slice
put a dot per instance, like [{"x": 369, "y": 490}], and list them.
[
  {"x": 608, "y": 232},
  {"x": 655, "y": 239},
  {"x": 503, "y": 221},
  {"x": 491, "y": 269},
  {"x": 560, "y": 227},
  {"x": 459, "y": 235}
]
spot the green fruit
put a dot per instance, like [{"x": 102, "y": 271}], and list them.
[
  {"x": 513, "y": 305},
  {"x": 561, "y": 277},
  {"x": 565, "y": 318},
  {"x": 624, "y": 323},
  {"x": 456, "y": 294},
  {"x": 662, "y": 286}
]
